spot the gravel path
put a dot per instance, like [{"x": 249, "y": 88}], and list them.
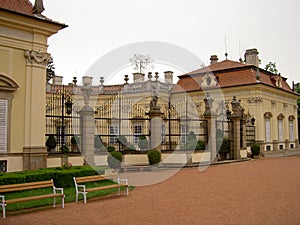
[{"x": 264, "y": 191}]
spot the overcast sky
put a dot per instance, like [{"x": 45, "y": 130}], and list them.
[{"x": 97, "y": 27}]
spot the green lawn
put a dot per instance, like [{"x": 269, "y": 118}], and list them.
[{"x": 69, "y": 196}]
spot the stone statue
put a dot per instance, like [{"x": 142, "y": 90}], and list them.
[
  {"x": 38, "y": 7},
  {"x": 153, "y": 103}
]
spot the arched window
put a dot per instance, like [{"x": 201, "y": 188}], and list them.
[
  {"x": 280, "y": 118},
  {"x": 291, "y": 127},
  {"x": 268, "y": 116}
]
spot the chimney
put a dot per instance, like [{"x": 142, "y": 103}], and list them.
[
  {"x": 138, "y": 77},
  {"x": 57, "y": 80},
  {"x": 87, "y": 81},
  {"x": 168, "y": 77},
  {"x": 213, "y": 59},
  {"x": 251, "y": 57}
]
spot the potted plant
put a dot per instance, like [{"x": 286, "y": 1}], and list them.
[
  {"x": 224, "y": 148},
  {"x": 51, "y": 143}
]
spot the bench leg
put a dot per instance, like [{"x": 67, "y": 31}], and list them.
[
  {"x": 84, "y": 197},
  {"x": 127, "y": 191},
  {"x": 63, "y": 201},
  {"x": 54, "y": 202},
  {"x": 3, "y": 210},
  {"x": 76, "y": 196}
]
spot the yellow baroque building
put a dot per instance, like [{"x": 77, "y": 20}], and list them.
[
  {"x": 23, "y": 58},
  {"x": 268, "y": 104}
]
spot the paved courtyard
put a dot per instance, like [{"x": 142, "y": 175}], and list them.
[{"x": 264, "y": 191}]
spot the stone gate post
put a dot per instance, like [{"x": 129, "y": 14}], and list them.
[
  {"x": 211, "y": 128},
  {"x": 87, "y": 126},
  {"x": 155, "y": 116},
  {"x": 237, "y": 112}
]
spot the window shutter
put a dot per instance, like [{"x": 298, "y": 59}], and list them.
[{"x": 3, "y": 125}]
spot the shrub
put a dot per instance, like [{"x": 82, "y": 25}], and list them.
[
  {"x": 200, "y": 145},
  {"x": 64, "y": 149},
  {"x": 75, "y": 140},
  {"x": 255, "y": 149},
  {"x": 51, "y": 142},
  {"x": 225, "y": 146},
  {"x": 114, "y": 159},
  {"x": 111, "y": 148},
  {"x": 154, "y": 157}
]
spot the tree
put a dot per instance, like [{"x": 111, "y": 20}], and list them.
[
  {"x": 271, "y": 67},
  {"x": 50, "y": 73},
  {"x": 141, "y": 62}
]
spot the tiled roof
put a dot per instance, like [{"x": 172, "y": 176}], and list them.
[
  {"x": 20, "y": 6},
  {"x": 228, "y": 74},
  {"x": 226, "y": 64}
]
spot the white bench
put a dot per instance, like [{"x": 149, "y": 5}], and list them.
[
  {"x": 82, "y": 189},
  {"x": 29, "y": 186}
]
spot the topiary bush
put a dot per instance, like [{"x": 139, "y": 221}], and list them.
[
  {"x": 111, "y": 148},
  {"x": 114, "y": 159},
  {"x": 154, "y": 157},
  {"x": 51, "y": 142},
  {"x": 200, "y": 145},
  {"x": 255, "y": 149},
  {"x": 225, "y": 148},
  {"x": 64, "y": 149}
]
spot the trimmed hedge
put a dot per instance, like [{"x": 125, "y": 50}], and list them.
[
  {"x": 61, "y": 177},
  {"x": 154, "y": 157}
]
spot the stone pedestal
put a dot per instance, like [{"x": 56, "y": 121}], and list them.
[
  {"x": 296, "y": 143},
  {"x": 236, "y": 121},
  {"x": 155, "y": 128},
  {"x": 34, "y": 157},
  {"x": 87, "y": 134},
  {"x": 212, "y": 145}
]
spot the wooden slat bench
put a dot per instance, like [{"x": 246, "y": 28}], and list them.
[
  {"x": 30, "y": 186},
  {"x": 82, "y": 189}
]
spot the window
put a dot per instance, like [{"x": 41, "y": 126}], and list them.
[
  {"x": 163, "y": 130},
  {"x": 280, "y": 130},
  {"x": 3, "y": 165},
  {"x": 268, "y": 130},
  {"x": 137, "y": 132},
  {"x": 60, "y": 139},
  {"x": 114, "y": 131},
  {"x": 183, "y": 133},
  {"x": 3, "y": 125}
]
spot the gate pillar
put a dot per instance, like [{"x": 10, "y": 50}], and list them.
[
  {"x": 87, "y": 126},
  {"x": 237, "y": 112},
  {"x": 155, "y": 116},
  {"x": 211, "y": 128}
]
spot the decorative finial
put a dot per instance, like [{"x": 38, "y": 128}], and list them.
[
  {"x": 156, "y": 75},
  {"x": 226, "y": 54},
  {"x": 38, "y": 8}
]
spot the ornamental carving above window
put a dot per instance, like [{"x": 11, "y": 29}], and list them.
[
  {"x": 268, "y": 115},
  {"x": 280, "y": 116},
  {"x": 291, "y": 118}
]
